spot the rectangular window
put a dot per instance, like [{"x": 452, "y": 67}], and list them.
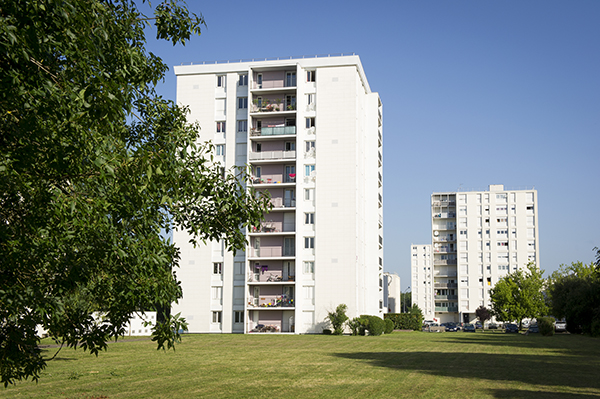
[
  {"x": 242, "y": 102},
  {"x": 216, "y": 317},
  {"x": 220, "y": 149},
  {"x": 309, "y": 169},
  {"x": 221, "y": 80},
  {"x": 221, "y": 127},
  {"x": 217, "y": 292},
  {"x": 309, "y": 242},
  {"x": 310, "y": 145},
  {"x": 309, "y": 218},
  {"x": 238, "y": 268},
  {"x": 290, "y": 79},
  {"x": 243, "y": 81},
  {"x": 310, "y": 122},
  {"x": 242, "y": 126},
  {"x": 309, "y": 267},
  {"x": 217, "y": 268},
  {"x": 238, "y": 317},
  {"x": 310, "y": 99},
  {"x": 311, "y": 76},
  {"x": 309, "y": 194}
]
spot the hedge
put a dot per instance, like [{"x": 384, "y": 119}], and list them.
[{"x": 405, "y": 321}]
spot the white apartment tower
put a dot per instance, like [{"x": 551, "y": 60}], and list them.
[
  {"x": 477, "y": 238},
  {"x": 311, "y": 131},
  {"x": 421, "y": 264}
]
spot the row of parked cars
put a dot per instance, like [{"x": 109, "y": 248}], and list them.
[{"x": 428, "y": 325}]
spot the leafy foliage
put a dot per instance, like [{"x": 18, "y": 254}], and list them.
[
  {"x": 337, "y": 319},
  {"x": 93, "y": 166},
  {"x": 546, "y": 325},
  {"x": 375, "y": 326},
  {"x": 406, "y": 321},
  {"x": 357, "y": 325},
  {"x": 483, "y": 314},
  {"x": 574, "y": 294},
  {"x": 519, "y": 295},
  {"x": 389, "y": 326}
]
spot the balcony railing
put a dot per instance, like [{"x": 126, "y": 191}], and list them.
[
  {"x": 445, "y": 285},
  {"x": 283, "y": 202},
  {"x": 273, "y": 252},
  {"x": 277, "y": 107},
  {"x": 273, "y": 131},
  {"x": 446, "y": 309},
  {"x": 272, "y": 155},
  {"x": 450, "y": 297},
  {"x": 444, "y": 262},
  {"x": 445, "y": 215}
]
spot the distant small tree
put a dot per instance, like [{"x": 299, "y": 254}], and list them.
[
  {"x": 337, "y": 319},
  {"x": 483, "y": 314}
]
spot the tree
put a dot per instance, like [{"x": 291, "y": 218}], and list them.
[
  {"x": 483, "y": 314},
  {"x": 406, "y": 301},
  {"x": 337, "y": 319},
  {"x": 94, "y": 164},
  {"x": 519, "y": 295},
  {"x": 574, "y": 294}
]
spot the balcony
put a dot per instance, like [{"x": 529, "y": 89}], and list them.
[
  {"x": 271, "y": 302},
  {"x": 273, "y": 131},
  {"x": 272, "y": 155},
  {"x": 273, "y": 227},
  {"x": 446, "y": 309},
  {"x": 444, "y": 273},
  {"x": 444, "y": 250},
  {"x": 447, "y": 226},
  {"x": 444, "y": 215},
  {"x": 283, "y": 202},
  {"x": 276, "y": 252},
  {"x": 447, "y": 297},
  {"x": 444, "y": 239},
  {"x": 445, "y": 285}
]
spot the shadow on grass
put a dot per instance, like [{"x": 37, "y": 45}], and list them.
[
  {"x": 543, "y": 370},
  {"x": 517, "y": 394},
  {"x": 568, "y": 344}
]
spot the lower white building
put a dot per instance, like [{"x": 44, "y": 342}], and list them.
[{"x": 391, "y": 293}]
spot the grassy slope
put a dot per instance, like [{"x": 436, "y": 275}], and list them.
[{"x": 409, "y": 364}]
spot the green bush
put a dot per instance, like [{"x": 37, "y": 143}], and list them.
[
  {"x": 389, "y": 326},
  {"x": 337, "y": 319},
  {"x": 355, "y": 325},
  {"x": 376, "y": 325},
  {"x": 546, "y": 326},
  {"x": 326, "y": 331},
  {"x": 405, "y": 321}
]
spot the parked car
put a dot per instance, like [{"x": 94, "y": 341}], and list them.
[
  {"x": 533, "y": 329},
  {"x": 451, "y": 327},
  {"x": 492, "y": 326},
  {"x": 478, "y": 325},
  {"x": 469, "y": 328},
  {"x": 560, "y": 326},
  {"x": 511, "y": 328}
]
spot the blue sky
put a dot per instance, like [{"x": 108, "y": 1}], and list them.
[{"x": 474, "y": 93}]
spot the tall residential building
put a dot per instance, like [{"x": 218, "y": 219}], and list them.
[
  {"x": 421, "y": 266},
  {"x": 477, "y": 238},
  {"x": 311, "y": 131},
  {"x": 391, "y": 293}
]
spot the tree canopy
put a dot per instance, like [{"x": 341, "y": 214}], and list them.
[
  {"x": 94, "y": 165},
  {"x": 519, "y": 295}
]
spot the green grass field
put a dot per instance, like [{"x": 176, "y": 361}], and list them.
[{"x": 402, "y": 364}]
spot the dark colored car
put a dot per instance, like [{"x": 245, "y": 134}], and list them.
[
  {"x": 451, "y": 327},
  {"x": 478, "y": 325},
  {"x": 511, "y": 328},
  {"x": 469, "y": 328},
  {"x": 533, "y": 329}
]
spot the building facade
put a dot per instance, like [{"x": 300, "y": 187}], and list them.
[
  {"x": 477, "y": 238},
  {"x": 391, "y": 293},
  {"x": 421, "y": 264},
  {"x": 311, "y": 131}
]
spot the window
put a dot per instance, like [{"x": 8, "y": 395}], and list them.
[
  {"x": 243, "y": 81},
  {"x": 309, "y": 169},
  {"x": 242, "y": 102},
  {"x": 238, "y": 316},
  {"x": 258, "y": 171},
  {"x": 502, "y": 220},
  {"x": 290, "y": 146},
  {"x": 309, "y": 194},
  {"x": 309, "y": 218},
  {"x": 310, "y": 99},
  {"x": 290, "y": 79},
  {"x": 220, "y": 149},
  {"x": 501, "y": 198},
  {"x": 217, "y": 268},
  {"x": 309, "y": 242},
  {"x": 221, "y": 127},
  {"x": 238, "y": 268},
  {"x": 502, "y": 243},
  {"x": 217, "y": 292},
  {"x": 463, "y": 233},
  {"x": 242, "y": 126},
  {"x": 309, "y": 267},
  {"x": 216, "y": 317},
  {"x": 221, "y": 80},
  {"x": 311, "y": 76},
  {"x": 310, "y": 145},
  {"x": 310, "y": 122},
  {"x": 259, "y": 80}
]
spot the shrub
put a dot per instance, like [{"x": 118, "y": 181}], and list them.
[
  {"x": 376, "y": 325},
  {"x": 389, "y": 326},
  {"x": 546, "y": 326},
  {"x": 326, "y": 331},
  {"x": 355, "y": 326},
  {"x": 406, "y": 321},
  {"x": 337, "y": 319}
]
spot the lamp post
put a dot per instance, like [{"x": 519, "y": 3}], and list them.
[{"x": 404, "y": 302}]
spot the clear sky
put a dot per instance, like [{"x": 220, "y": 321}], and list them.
[{"x": 474, "y": 93}]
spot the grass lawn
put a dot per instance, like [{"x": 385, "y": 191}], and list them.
[{"x": 402, "y": 364}]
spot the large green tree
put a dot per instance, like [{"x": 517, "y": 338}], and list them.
[
  {"x": 574, "y": 294},
  {"x": 519, "y": 295},
  {"x": 93, "y": 166}
]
